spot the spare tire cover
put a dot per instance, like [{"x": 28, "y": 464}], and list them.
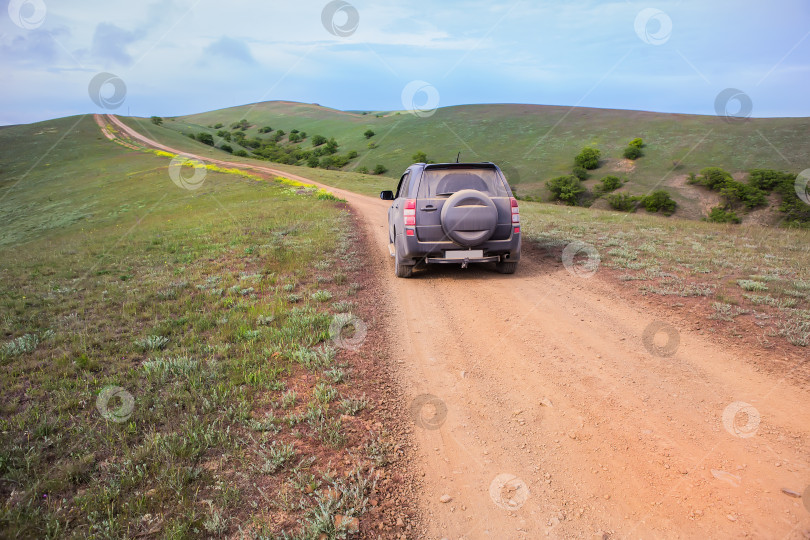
[{"x": 469, "y": 217}]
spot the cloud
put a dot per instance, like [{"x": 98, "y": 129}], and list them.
[
  {"x": 230, "y": 49},
  {"x": 110, "y": 44},
  {"x": 33, "y": 47}
]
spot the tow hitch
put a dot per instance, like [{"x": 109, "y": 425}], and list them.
[{"x": 465, "y": 262}]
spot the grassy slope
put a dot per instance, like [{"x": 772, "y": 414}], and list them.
[
  {"x": 197, "y": 303},
  {"x": 535, "y": 143}
]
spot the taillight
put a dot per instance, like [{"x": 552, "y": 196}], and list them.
[
  {"x": 409, "y": 232},
  {"x": 410, "y": 212},
  {"x": 515, "y": 212}
]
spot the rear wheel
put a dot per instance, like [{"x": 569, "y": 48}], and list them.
[
  {"x": 400, "y": 269},
  {"x": 506, "y": 267}
]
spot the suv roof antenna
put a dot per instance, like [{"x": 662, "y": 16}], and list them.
[{"x": 458, "y": 156}]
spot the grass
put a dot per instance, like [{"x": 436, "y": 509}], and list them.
[
  {"x": 112, "y": 276},
  {"x": 719, "y": 265}
]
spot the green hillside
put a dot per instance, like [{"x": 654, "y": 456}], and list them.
[
  {"x": 534, "y": 143},
  {"x": 149, "y": 335}
]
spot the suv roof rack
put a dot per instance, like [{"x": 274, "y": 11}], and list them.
[{"x": 476, "y": 165}]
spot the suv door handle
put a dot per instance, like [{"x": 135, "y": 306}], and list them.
[{"x": 429, "y": 208}]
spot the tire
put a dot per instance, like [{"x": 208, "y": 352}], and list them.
[
  {"x": 400, "y": 269},
  {"x": 506, "y": 267}
]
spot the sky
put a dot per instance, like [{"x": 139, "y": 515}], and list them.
[{"x": 176, "y": 57}]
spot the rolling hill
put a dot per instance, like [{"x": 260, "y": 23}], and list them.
[{"x": 534, "y": 143}]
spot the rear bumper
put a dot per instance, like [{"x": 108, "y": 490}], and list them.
[
  {"x": 436, "y": 260},
  {"x": 414, "y": 251}
]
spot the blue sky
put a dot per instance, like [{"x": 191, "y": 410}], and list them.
[{"x": 185, "y": 56}]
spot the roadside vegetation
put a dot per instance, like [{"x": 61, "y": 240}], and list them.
[{"x": 168, "y": 366}]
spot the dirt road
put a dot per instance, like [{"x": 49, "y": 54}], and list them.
[{"x": 541, "y": 410}]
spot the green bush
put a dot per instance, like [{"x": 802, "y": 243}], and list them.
[
  {"x": 380, "y": 169},
  {"x": 313, "y": 161},
  {"x": 227, "y": 148},
  {"x": 205, "y": 138},
  {"x": 217, "y": 126},
  {"x": 318, "y": 140},
  {"x": 633, "y": 152},
  {"x": 637, "y": 143},
  {"x": 240, "y": 153},
  {"x": 767, "y": 179},
  {"x": 623, "y": 202},
  {"x": 720, "y": 214},
  {"x": 580, "y": 172},
  {"x": 157, "y": 120},
  {"x": 565, "y": 188},
  {"x": 265, "y": 129},
  {"x": 352, "y": 154},
  {"x": 362, "y": 170},
  {"x": 609, "y": 183},
  {"x": 419, "y": 157},
  {"x": 659, "y": 201},
  {"x": 738, "y": 193},
  {"x": 368, "y": 134},
  {"x": 713, "y": 178},
  {"x": 588, "y": 158}
]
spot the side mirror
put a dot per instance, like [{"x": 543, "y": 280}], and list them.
[{"x": 387, "y": 195}]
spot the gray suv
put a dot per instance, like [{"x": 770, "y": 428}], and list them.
[{"x": 456, "y": 213}]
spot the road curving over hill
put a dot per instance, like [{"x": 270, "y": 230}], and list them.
[{"x": 545, "y": 405}]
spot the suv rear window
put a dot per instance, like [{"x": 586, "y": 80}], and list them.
[{"x": 445, "y": 182}]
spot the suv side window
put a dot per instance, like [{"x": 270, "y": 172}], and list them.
[{"x": 402, "y": 188}]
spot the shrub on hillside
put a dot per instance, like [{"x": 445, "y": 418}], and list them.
[
  {"x": 312, "y": 161},
  {"x": 227, "y": 148},
  {"x": 637, "y": 143},
  {"x": 157, "y": 120},
  {"x": 734, "y": 193},
  {"x": 565, "y": 188},
  {"x": 659, "y": 201},
  {"x": 623, "y": 202},
  {"x": 205, "y": 138},
  {"x": 240, "y": 153},
  {"x": 368, "y": 134},
  {"x": 419, "y": 157},
  {"x": 318, "y": 140},
  {"x": 362, "y": 170},
  {"x": 767, "y": 179},
  {"x": 632, "y": 152},
  {"x": 580, "y": 172},
  {"x": 588, "y": 158},
  {"x": 380, "y": 169},
  {"x": 609, "y": 183},
  {"x": 713, "y": 178},
  {"x": 720, "y": 214},
  {"x": 738, "y": 193}
]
